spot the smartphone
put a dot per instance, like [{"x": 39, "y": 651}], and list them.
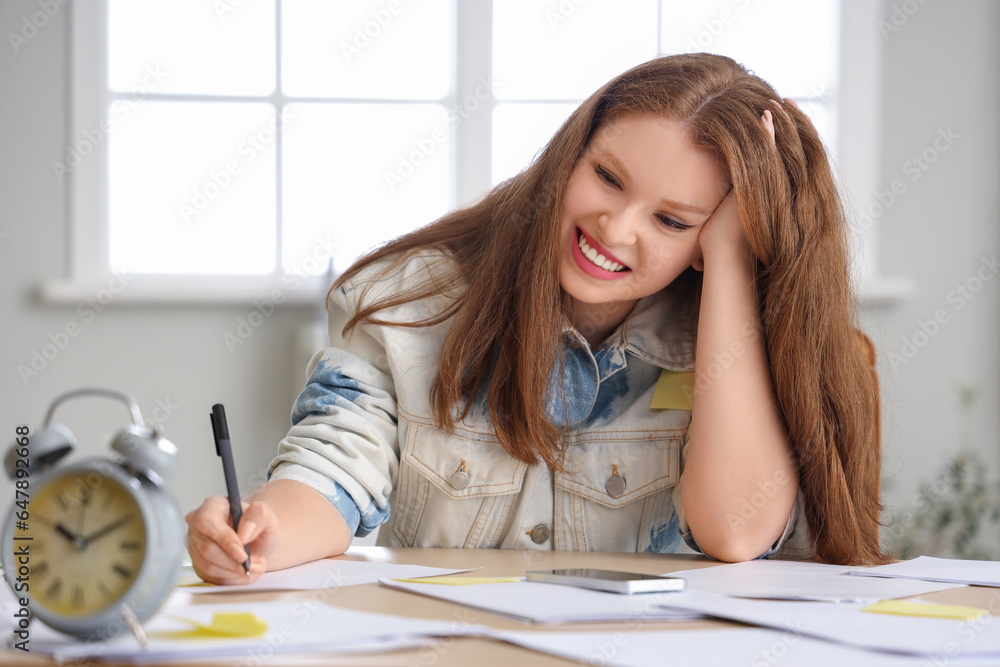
[{"x": 608, "y": 580}]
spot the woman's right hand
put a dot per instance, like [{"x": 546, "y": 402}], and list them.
[{"x": 217, "y": 551}]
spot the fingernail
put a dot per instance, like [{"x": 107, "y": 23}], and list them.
[{"x": 249, "y": 527}]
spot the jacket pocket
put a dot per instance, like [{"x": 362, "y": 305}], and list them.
[
  {"x": 454, "y": 490},
  {"x": 616, "y": 493}
]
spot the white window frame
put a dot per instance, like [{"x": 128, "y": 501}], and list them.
[
  {"x": 88, "y": 270},
  {"x": 859, "y": 126}
]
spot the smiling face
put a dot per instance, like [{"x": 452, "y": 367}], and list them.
[{"x": 634, "y": 205}]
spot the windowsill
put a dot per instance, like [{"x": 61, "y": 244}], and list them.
[
  {"x": 878, "y": 292},
  {"x": 186, "y": 290},
  {"x": 885, "y": 291}
]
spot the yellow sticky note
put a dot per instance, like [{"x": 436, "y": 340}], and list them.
[
  {"x": 189, "y": 581},
  {"x": 460, "y": 581},
  {"x": 926, "y": 609},
  {"x": 224, "y": 624},
  {"x": 673, "y": 391}
]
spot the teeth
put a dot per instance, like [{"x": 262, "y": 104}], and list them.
[{"x": 598, "y": 259}]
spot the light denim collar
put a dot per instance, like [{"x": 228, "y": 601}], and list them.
[{"x": 661, "y": 329}]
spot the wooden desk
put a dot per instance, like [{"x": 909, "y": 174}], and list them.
[{"x": 494, "y": 563}]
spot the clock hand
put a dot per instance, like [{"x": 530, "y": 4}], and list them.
[
  {"x": 65, "y": 532},
  {"x": 78, "y": 541},
  {"x": 84, "y": 501},
  {"x": 87, "y": 539}
]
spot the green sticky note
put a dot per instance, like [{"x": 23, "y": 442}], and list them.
[
  {"x": 926, "y": 609},
  {"x": 673, "y": 391}
]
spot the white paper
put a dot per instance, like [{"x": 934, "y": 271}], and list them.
[
  {"x": 926, "y": 568},
  {"x": 939, "y": 638},
  {"x": 756, "y": 647},
  {"x": 326, "y": 573},
  {"x": 534, "y": 602},
  {"x": 796, "y": 580},
  {"x": 301, "y": 626}
]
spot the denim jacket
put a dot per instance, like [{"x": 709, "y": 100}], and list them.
[{"x": 364, "y": 437}]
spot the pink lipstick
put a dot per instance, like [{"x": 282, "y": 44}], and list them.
[{"x": 617, "y": 269}]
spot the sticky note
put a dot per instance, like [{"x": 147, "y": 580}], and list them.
[
  {"x": 673, "y": 391},
  {"x": 224, "y": 624},
  {"x": 926, "y": 609},
  {"x": 460, "y": 581}
]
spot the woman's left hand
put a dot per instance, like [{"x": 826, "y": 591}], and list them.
[{"x": 724, "y": 230}]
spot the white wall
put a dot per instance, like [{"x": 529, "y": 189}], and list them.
[
  {"x": 941, "y": 69},
  {"x": 941, "y": 75}
]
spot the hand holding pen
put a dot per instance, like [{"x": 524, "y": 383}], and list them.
[
  {"x": 222, "y": 532},
  {"x": 220, "y": 430}
]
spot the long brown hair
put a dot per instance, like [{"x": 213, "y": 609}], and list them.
[{"x": 506, "y": 320}]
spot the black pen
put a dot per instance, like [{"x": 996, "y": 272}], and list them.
[{"x": 220, "y": 429}]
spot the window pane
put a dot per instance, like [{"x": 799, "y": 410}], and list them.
[
  {"x": 520, "y": 131},
  {"x": 357, "y": 175},
  {"x": 568, "y": 50},
  {"x": 195, "y": 47},
  {"x": 824, "y": 117},
  {"x": 191, "y": 188},
  {"x": 370, "y": 49},
  {"x": 791, "y": 44}
]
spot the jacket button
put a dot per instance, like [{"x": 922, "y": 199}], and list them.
[
  {"x": 616, "y": 485},
  {"x": 540, "y": 534},
  {"x": 459, "y": 479}
]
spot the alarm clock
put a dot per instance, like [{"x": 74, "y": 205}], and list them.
[{"x": 97, "y": 545}]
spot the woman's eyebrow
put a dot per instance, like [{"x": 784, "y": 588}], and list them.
[
  {"x": 616, "y": 163},
  {"x": 689, "y": 208},
  {"x": 669, "y": 203}
]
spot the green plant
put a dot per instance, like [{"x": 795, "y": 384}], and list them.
[{"x": 957, "y": 514}]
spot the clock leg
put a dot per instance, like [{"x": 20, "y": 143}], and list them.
[{"x": 134, "y": 625}]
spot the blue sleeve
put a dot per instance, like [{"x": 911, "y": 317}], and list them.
[
  {"x": 344, "y": 440},
  {"x": 359, "y": 524}
]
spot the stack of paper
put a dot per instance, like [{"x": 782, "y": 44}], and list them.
[
  {"x": 291, "y": 627},
  {"x": 818, "y": 634},
  {"x": 848, "y": 624},
  {"x": 795, "y": 580},
  {"x": 756, "y": 647},
  {"x": 532, "y": 602},
  {"x": 326, "y": 573},
  {"x": 926, "y": 568}
]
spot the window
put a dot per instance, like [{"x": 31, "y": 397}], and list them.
[
  {"x": 223, "y": 146},
  {"x": 546, "y": 61}
]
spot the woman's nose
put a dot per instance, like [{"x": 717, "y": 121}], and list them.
[{"x": 617, "y": 228}]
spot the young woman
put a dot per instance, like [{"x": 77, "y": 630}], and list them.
[{"x": 646, "y": 336}]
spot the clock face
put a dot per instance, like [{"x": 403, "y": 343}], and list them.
[{"x": 87, "y": 543}]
